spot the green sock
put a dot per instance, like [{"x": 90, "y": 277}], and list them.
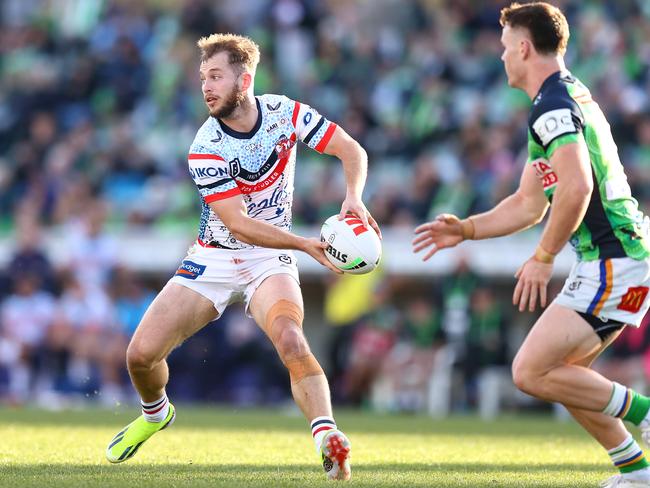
[
  {"x": 628, "y": 456},
  {"x": 639, "y": 407}
]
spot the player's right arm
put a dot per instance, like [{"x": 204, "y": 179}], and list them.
[
  {"x": 521, "y": 210},
  {"x": 218, "y": 189},
  {"x": 232, "y": 212}
]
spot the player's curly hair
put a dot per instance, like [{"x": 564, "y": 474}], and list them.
[
  {"x": 243, "y": 53},
  {"x": 546, "y": 23}
]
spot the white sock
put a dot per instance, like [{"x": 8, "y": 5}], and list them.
[
  {"x": 155, "y": 411},
  {"x": 320, "y": 427},
  {"x": 618, "y": 402}
]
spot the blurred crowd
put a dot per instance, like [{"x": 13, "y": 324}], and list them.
[
  {"x": 100, "y": 99},
  {"x": 387, "y": 342}
]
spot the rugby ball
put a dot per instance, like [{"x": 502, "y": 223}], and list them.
[{"x": 352, "y": 247}]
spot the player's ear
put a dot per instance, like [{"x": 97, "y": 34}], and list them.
[
  {"x": 246, "y": 80},
  {"x": 525, "y": 48}
]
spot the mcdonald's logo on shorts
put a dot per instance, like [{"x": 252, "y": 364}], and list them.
[{"x": 633, "y": 299}]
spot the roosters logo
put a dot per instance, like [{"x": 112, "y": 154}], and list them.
[{"x": 283, "y": 146}]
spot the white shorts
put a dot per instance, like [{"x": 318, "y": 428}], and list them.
[
  {"x": 227, "y": 276},
  {"x": 610, "y": 289}
]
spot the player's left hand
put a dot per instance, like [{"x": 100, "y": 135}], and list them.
[
  {"x": 533, "y": 277},
  {"x": 355, "y": 206}
]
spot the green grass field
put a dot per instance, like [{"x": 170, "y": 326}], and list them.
[{"x": 210, "y": 447}]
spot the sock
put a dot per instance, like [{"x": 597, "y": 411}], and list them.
[
  {"x": 156, "y": 411},
  {"x": 629, "y": 458},
  {"x": 627, "y": 404},
  {"x": 320, "y": 426}
]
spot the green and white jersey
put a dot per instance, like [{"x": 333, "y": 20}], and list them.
[{"x": 563, "y": 112}]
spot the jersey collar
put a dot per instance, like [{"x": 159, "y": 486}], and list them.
[
  {"x": 552, "y": 79},
  {"x": 244, "y": 135}
]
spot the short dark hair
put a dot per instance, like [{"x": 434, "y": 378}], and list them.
[
  {"x": 546, "y": 23},
  {"x": 243, "y": 53}
]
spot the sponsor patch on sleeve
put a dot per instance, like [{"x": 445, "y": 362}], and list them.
[
  {"x": 190, "y": 270},
  {"x": 617, "y": 188},
  {"x": 552, "y": 124}
]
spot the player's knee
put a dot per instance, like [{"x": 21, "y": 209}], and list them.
[
  {"x": 283, "y": 324},
  {"x": 291, "y": 342},
  {"x": 139, "y": 357},
  {"x": 525, "y": 377}
]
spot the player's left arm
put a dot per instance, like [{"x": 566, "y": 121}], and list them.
[
  {"x": 572, "y": 166},
  {"x": 355, "y": 165}
]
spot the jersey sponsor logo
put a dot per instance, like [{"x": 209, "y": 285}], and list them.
[
  {"x": 272, "y": 127},
  {"x": 307, "y": 118},
  {"x": 552, "y": 124},
  {"x": 273, "y": 108},
  {"x": 633, "y": 299},
  {"x": 617, "y": 188},
  {"x": 235, "y": 167},
  {"x": 545, "y": 173},
  {"x": 253, "y": 146},
  {"x": 275, "y": 200},
  {"x": 190, "y": 270},
  {"x": 209, "y": 172}
]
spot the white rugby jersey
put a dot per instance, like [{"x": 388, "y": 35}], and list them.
[{"x": 259, "y": 164}]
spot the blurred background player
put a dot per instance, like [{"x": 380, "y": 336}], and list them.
[
  {"x": 243, "y": 161},
  {"x": 573, "y": 162}
]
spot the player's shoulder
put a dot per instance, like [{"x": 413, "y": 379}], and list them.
[
  {"x": 209, "y": 138},
  {"x": 272, "y": 103},
  {"x": 553, "y": 94},
  {"x": 554, "y": 111}
]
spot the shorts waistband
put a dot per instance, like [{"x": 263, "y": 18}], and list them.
[
  {"x": 213, "y": 245},
  {"x": 217, "y": 245}
]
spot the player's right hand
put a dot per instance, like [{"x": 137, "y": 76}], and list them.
[
  {"x": 445, "y": 231},
  {"x": 316, "y": 249}
]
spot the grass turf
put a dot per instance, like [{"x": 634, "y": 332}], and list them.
[{"x": 209, "y": 447}]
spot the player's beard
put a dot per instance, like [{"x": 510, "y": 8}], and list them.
[{"x": 231, "y": 103}]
